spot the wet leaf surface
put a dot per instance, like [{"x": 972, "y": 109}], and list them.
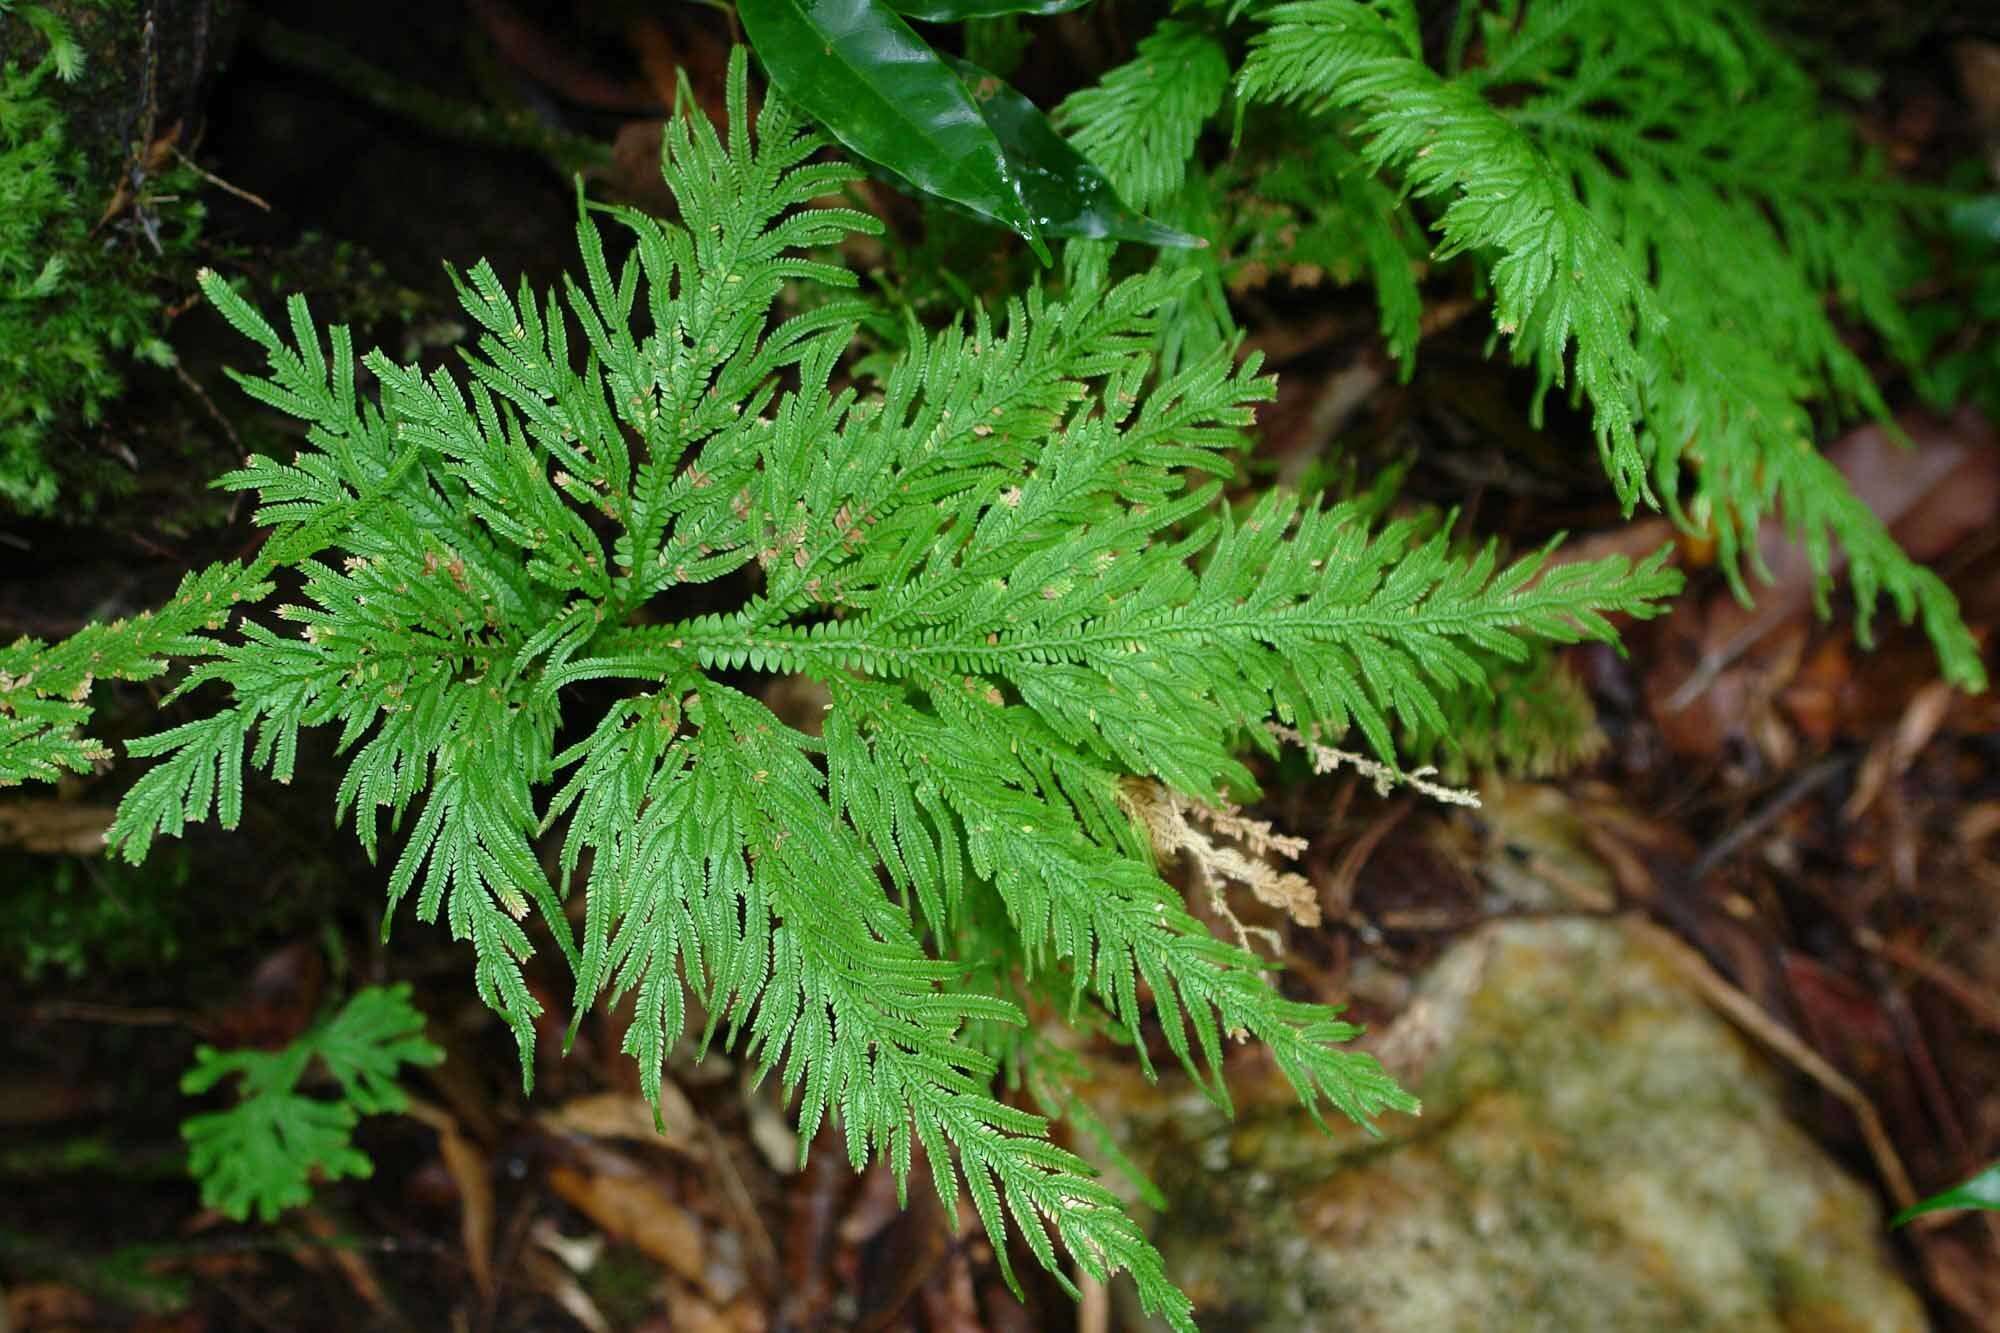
[
  {"x": 1059, "y": 188},
  {"x": 859, "y": 70},
  {"x": 956, "y": 11}
]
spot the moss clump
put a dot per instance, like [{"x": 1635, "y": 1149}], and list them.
[{"x": 75, "y": 299}]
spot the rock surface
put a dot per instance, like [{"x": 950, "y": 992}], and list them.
[{"x": 1598, "y": 1150}]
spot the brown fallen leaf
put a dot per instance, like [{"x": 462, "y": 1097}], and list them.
[
  {"x": 545, "y": 1273},
  {"x": 350, "y": 1262},
  {"x": 1982, "y": 1005},
  {"x": 815, "y": 1204},
  {"x": 54, "y": 827},
  {"x": 1962, "y": 1273},
  {"x": 46, "y": 1305},
  {"x": 670, "y": 52},
  {"x": 1933, "y": 496},
  {"x": 1978, "y": 822},
  {"x": 1891, "y": 754},
  {"x": 473, "y": 1176},
  {"x": 277, "y": 1003},
  {"x": 552, "y": 59},
  {"x": 771, "y": 1130},
  {"x": 1821, "y": 694},
  {"x": 689, "y": 1312},
  {"x": 626, "y": 1115},
  {"x": 633, "y": 174},
  {"x": 632, "y": 1205}
]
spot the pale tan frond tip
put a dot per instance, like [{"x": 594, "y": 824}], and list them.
[
  {"x": 1173, "y": 825},
  {"x": 1326, "y": 759}
]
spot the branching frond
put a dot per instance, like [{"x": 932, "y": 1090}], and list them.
[
  {"x": 1140, "y": 122},
  {"x": 1007, "y": 561},
  {"x": 260, "y": 1154},
  {"x": 1592, "y": 160}
]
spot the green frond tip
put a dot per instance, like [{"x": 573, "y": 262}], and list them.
[
  {"x": 1140, "y": 123},
  {"x": 1591, "y": 189},
  {"x": 1005, "y": 559},
  {"x": 260, "y": 1154}
]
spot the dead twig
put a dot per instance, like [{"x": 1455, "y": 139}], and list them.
[
  {"x": 215, "y": 413},
  {"x": 255, "y": 200},
  {"x": 351, "y": 1263},
  {"x": 1093, "y": 1312},
  {"x": 736, "y": 1193},
  {"x": 80, "y": 1011},
  {"x": 469, "y": 1171},
  {"x": 1910, "y": 1034},
  {"x": 1343, "y": 394},
  {"x": 1967, "y": 993},
  {"x": 1795, "y": 791},
  {"x": 1748, "y": 1015},
  {"x": 1339, "y": 892}
]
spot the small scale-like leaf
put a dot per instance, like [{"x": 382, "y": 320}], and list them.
[
  {"x": 957, "y": 11},
  {"x": 1981, "y": 1191},
  {"x": 1061, "y": 190},
  {"x": 858, "y": 69}
]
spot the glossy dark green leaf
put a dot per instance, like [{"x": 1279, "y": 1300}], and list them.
[
  {"x": 858, "y": 69},
  {"x": 1978, "y": 220},
  {"x": 1982, "y": 1191},
  {"x": 1060, "y": 189},
  {"x": 955, "y": 11}
]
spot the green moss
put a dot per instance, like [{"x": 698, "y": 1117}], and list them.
[
  {"x": 75, "y": 301},
  {"x": 68, "y": 917}
]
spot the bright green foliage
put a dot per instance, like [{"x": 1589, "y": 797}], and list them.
[
  {"x": 1140, "y": 123},
  {"x": 69, "y": 311},
  {"x": 1536, "y": 719},
  {"x": 1960, "y": 331},
  {"x": 1005, "y": 557},
  {"x": 259, "y": 1155},
  {"x": 1319, "y": 211},
  {"x": 64, "y": 55},
  {"x": 1980, "y": 1191},
  {"x": 880, "y": 89},
  {"x": 1663, "y": 209},
  {"x": 1660, "y": 206},
  {"x": 1304, "y": 204},
  {"x": 45, "y": 688}
]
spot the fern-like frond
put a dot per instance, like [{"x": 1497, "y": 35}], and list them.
[
  {"x": 1140, "y": 122},
  {"x": 1565, "y": 295},
  {"x": 45, "y": 688},
  {"x": 260, "y": 1154},
  {"x": 1320, "y": 211},
  {"x": 1593, "y": 160},
  {"x": 1297, "y": 613},
  {"x": 1002, "y": 552}
]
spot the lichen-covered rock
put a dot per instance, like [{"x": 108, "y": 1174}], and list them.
[{"x": 1598, "y": 1150}]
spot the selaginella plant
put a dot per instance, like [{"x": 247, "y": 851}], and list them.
[
  {"x": 1666, "y": 215},
  {"x": 261, "y": 1153},
  {"x": 536, "y": 602}
]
